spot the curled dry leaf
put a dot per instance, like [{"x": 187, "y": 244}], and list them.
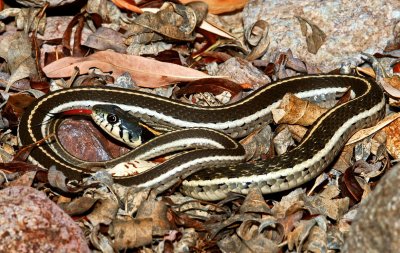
[
  {"x": 189, "y": 240},
  {"x": 140, "y": 68},
  {"x": 293, "y": 110},
  {"x": 242, "y": 71},
  {"x": 78, "y": 206},
  {"x": 350, "y": 187},
  {"x": 257, "y": 36},
  {"x": 303, "y": 235},
  {"x": 345, "y": 159}
]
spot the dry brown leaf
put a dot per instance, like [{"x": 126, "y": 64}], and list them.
[
  {"x": 132, "y": 233},
  {"x": 344, "y": 161},
  {"x": 221, "y": 6},
  {"x": 157, "y": 211},
  {"x": 294, "y": 110},
  {"x": 391, "y": 85},
  {"x": 315, "y": 38},
  {"x": 328, "y": 204},
  {"x": 106, "y": 38},
  {"x": 254, "y": 203},
  {"x": 104, "y": 211},
  {"x": 297, "y": 132},
  {"x": 392, "y": 138},
  {"x": 146, "y": 72}
]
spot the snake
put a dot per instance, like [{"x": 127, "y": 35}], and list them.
[{"x": 212, "y": 173}]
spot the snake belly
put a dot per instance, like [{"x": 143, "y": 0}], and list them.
[{"x": 319, "y": 147}]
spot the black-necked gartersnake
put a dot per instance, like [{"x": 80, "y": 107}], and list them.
[{"x": 319, "y": 147}]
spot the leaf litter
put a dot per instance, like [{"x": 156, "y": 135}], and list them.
[{"x": 123, "y": 47}]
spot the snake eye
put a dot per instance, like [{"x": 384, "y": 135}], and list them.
[{"x": 112, "y": 118}]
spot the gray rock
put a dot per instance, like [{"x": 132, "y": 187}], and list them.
[
  {"x": 377, "y": 225},
  {"x": 350, "y": 27}
]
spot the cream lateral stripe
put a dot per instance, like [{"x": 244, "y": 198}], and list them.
[{"x": 182, "y": 167}]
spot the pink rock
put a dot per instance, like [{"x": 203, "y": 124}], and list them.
[{"x": 30, "y": 222}]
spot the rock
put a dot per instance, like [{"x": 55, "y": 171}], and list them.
[
  {"x": 377, "y": 226},
  {"x": 30, "y": 222},
  {"x": 350, "y": 27}
]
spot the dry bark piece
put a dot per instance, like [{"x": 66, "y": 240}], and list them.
[
  {"x": 43, "y": 227},
  {"x": 140, "y": 68},
  {"x": 293, "y": 110}
]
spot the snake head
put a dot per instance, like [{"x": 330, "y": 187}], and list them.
[{"x": 118, "y": 124}]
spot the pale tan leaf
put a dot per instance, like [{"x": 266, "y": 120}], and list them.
[
  {"x": 368, "y": 131},
  {"x": 146, "y": 72}
]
